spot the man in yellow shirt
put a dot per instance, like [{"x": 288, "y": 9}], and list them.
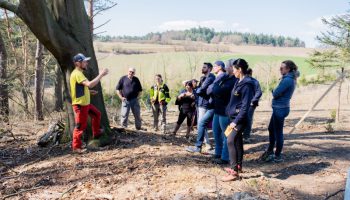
[{"x": 80, "y": 93}]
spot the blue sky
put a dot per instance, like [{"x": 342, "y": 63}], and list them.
[{"x": 297, "y": 18}]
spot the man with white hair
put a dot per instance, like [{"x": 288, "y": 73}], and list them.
[{"x": 129, "y": 89}]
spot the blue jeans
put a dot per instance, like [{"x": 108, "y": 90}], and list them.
[
  {"x": 248, "y": 129},
  {"x": 276, "y": 129},
  {"x": 220, "y": 123},
  {"x": 202, "y": 126},
  {"x": 134, "y": 105},
  {"x": 201, "y": 112}
]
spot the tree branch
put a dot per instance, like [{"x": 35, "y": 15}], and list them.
[
  {"x": 8, "y": 6},
  {"x": 103, "y": 24},
  {"x": 104, "y": 9}
]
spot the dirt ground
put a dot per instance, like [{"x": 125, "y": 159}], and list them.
[{"x": 148, "y": 165}]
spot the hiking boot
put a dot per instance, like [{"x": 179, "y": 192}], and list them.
[
  {"x": 278, "y": 159},
  {"x": 266, "y": 155},
  {"x": 221, "y": 162},
  {"x": 193, "y": 149}
]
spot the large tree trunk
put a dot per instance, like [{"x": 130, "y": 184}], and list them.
[
  {"x": 39, "y": 82},
  {"x": 4, "y": 95},
  {"x": 63, "y": 28},
  {"x": 58, "y": 90}
]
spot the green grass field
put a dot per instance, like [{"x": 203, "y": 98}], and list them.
[{"x": 178, "y": 66}]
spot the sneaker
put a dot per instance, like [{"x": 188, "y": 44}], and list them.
[
  {"x": 221, "y": 162},
  {"x": 193, "y": 149},
  {"x": 265, "y": 155},
  {"x": 79, "y": 151},
  {"x": 278, "y": 159}
]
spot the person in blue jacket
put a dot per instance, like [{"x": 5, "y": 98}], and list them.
[
  {"x": 237, "y": 111},
  {"x": 253, "y": 105},
  {"x": 280, "y": 110},
  {"x": 220, "y": 94}
]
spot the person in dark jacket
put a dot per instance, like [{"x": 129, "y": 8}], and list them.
[
  {"x": 280, "y": 110},
  {"x": 237, "y": 111},
  {"x": 204, "y": 111},
  {"x": 253, "y": 105},
  {"x": 209, "y": 109},
  {"x": 220, "y": 93},
  {"x": 186, "y": 101}
]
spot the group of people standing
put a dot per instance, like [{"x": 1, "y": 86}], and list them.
[{"x": 226, "y": 101}]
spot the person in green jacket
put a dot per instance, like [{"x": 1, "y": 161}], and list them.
[{"x": 159, "y": 95}]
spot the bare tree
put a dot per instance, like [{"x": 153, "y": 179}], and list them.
[
  {"x": 39, "y": 82},
  {"x": 4, "y": 95},
  {"x": 96, "y": 7}
]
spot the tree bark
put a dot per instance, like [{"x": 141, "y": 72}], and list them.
[
  {"x": 63, "y": 28},
  {"x": 91, "y": 15},
  {"x": 4, "y": 95},
  {"x": 39, "y": 82},
  {"x": 58, "y": 90}
]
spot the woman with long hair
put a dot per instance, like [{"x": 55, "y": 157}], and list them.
[
  {"x": 280, "y": 110},
  {"x": 237, "y": 111},
  {"x": 186, "y": 101}
]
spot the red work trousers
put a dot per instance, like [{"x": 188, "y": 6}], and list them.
[{"x": 81, "y": 118}]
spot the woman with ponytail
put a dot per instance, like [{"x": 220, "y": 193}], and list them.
[
  {"x": 280, "y": 110},
  {"x": 237, "y": 111}
]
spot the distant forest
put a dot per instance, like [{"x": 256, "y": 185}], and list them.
[{"x": 210, "y": 36}]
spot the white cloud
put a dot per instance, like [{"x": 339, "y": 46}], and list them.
[
  {"x": 317, "y": 24},
  {"x": 218, "y": 25}
]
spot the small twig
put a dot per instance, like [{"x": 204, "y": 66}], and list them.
[
  {"x": 216, "y": 186},
  {"x": 41, "y": 157},
  {"x": 335, "y": 193},
  {"x": 67, "y": 191},
  {"x": 17, "y": 193},
  {"x": 9, "y": 167}
]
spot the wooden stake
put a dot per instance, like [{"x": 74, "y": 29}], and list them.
[
  {"x": 315, "y": 104},
  {"x": 339, "y": 96}
]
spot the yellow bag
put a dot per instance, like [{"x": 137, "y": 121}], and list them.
[{"x": 228, "y": 130}]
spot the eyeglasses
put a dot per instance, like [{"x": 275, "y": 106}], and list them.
[{"x": 132, "y": 72}]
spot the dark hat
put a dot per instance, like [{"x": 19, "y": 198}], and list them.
[
  {"x": 80, "y": 57},
  {"x": 220, "y": 64}
]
